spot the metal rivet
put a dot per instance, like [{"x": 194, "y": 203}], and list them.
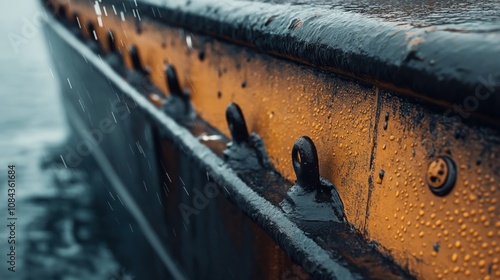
[
  {"x": 381, "y": 174},
  {"x": 386, "y": 120},
  {"x": 435, "y": 247},
  {"x": 441, "y": 175}
]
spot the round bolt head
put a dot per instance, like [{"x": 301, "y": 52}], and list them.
[{"x": 441, "y": 175}]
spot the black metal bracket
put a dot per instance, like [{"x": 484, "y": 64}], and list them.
[
  {"x": 91, "y": 42},
  {"x": 246, "y": 151},
  {"x": 139, "y": 76},
  {"x": 178, "y": 104},
  {"x": 113, "y": 57},
  {"x": 136, "y": 60},
  {"x": 305, "y": 163},
  {"x": 312, "y": 198},
  {"x": 237, "y": 124}
]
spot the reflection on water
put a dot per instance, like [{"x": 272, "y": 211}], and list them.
[
  {"x": 31, "y": 122},
  {"x": 64, "y": 243}
]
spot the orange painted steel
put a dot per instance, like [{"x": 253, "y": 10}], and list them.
[{"x": 373, "y": 144}]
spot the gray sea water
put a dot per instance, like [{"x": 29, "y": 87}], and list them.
[{"x": 32, "y": 123}]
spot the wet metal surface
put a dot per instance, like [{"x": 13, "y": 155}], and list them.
[
  {"x": 439, "y": 235},
  {"x": 187, "y": 152},
  {"x": 374, "y": 144},
  {"x": 470, "y": 16},
  {"x": 404, "y": 46}
]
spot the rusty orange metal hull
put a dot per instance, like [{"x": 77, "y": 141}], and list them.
[{"x": 373, "y": 143}]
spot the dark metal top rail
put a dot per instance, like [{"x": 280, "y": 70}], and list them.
[{"x": 443, "y": 52}]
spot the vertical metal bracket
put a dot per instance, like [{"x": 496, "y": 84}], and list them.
[{"x": 312, "y": 198}]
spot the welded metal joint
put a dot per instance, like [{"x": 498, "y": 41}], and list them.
[
  {"x": 246, "y": 151},
  {"x": 178, "y": 104},
  {"x": 312, "y": 198},
  {"x": 441, "y": 175}
]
